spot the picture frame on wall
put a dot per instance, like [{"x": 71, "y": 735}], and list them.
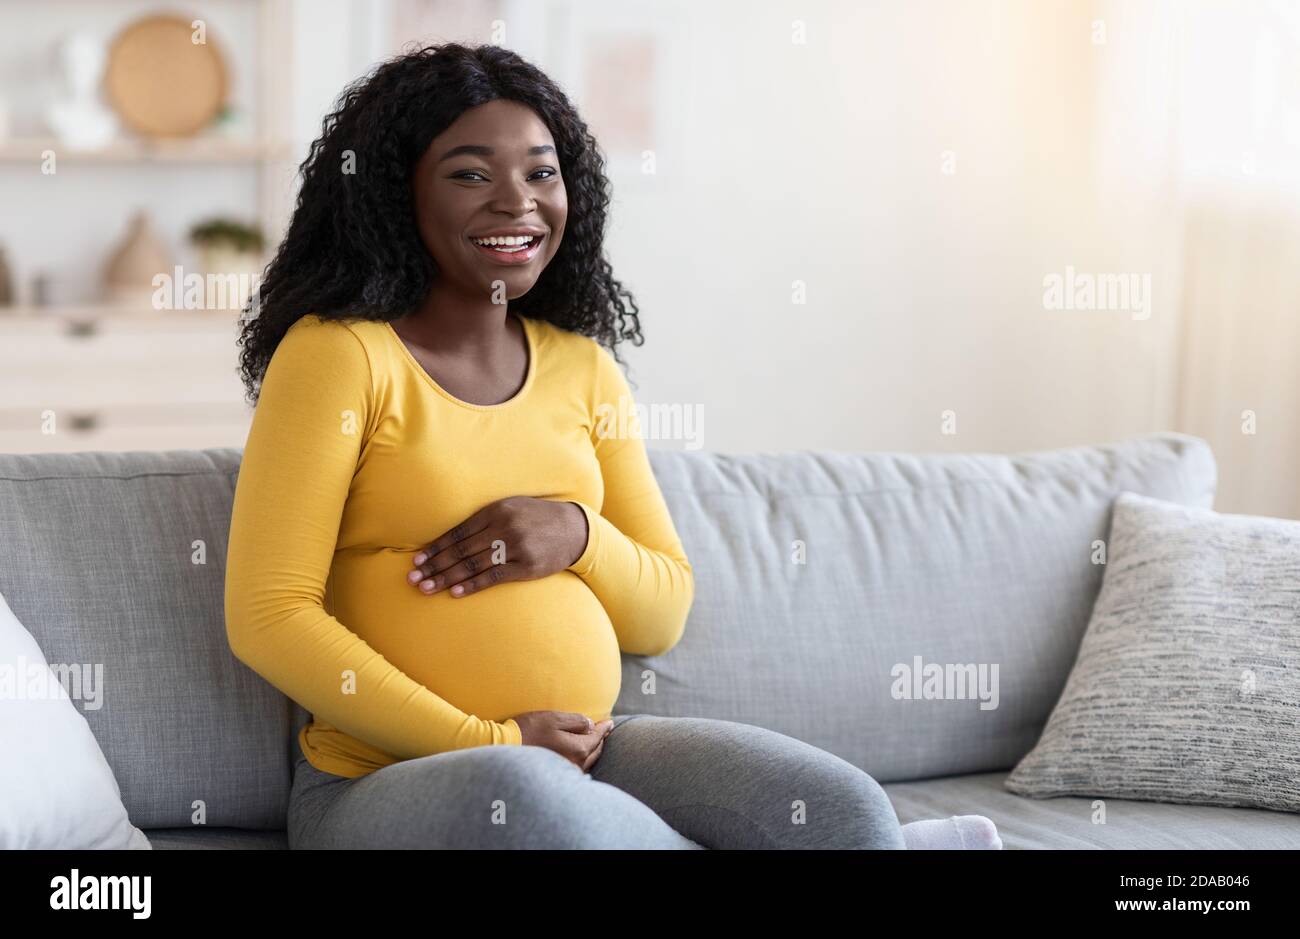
[{"x": 630, "y": 79}]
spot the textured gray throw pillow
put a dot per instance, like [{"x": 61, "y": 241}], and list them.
[{"x": 1187, "y": 683}]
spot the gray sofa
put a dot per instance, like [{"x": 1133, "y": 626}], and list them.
[{"x": 821, "y": 577}]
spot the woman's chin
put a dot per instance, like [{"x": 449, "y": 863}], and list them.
[{"x": 516, "y": 284}]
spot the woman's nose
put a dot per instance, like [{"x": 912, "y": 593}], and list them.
[{"x": 513, "y": 198}]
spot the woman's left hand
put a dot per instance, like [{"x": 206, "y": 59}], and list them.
[{"x": 516, "y": 538}]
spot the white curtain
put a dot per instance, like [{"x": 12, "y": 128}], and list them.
[{"x": 1199, "y": 136}]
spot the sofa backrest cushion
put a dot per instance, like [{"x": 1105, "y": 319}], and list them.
[
  {"x": 118, "y": 559},
  {"x": 823, "y": 580}
]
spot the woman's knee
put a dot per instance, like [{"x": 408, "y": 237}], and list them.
[
  {"x": 842, "y": 806},
  {"x": 755, "y": 786},
  {"x": 869, "y": 819}
]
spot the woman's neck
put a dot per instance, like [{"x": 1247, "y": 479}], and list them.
[{"x": 457, "y": 322}]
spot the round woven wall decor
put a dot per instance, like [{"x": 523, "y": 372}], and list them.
[{"x": 161, "y": 82}]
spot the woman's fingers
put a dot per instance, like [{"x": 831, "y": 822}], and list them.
[
  {"x": 433, "y": 564},
  {"x": 493, "y": 575},
  {"x": 567, "y": 733},
  {"x": 592, "y": 757},
  {"x": 470, "y": 575},
  {"x": 572, "y": 722},
  {"x": 471, "y": 526},
  {"x": 600, "y": 733}
]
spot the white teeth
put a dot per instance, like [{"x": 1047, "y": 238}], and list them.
[{"x": 504, "y": 241}]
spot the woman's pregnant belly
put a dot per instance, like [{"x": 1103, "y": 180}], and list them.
[{"x": 519, "y": 646}]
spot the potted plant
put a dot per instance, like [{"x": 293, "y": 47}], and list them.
[{"x": 230, "y": 253}]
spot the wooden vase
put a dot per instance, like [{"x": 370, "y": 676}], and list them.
[{"x": 139, "y": 257}]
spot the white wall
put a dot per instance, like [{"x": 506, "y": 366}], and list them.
[
  {"x": 334, "y": 43},
  {"x": 824, "y": 163}
]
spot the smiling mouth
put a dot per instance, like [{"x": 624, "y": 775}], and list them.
[
  {"x": 509, "y": 245},
  {"x": 509, "y": 250}
]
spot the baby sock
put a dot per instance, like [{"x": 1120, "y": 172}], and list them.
[{"x": 957, "y": 833}]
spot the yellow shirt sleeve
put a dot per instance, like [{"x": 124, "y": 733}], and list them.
[
  {"x": 308, "y": 430},
  {"x": 634, "y": 561}
]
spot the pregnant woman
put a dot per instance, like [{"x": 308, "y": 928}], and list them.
[{"x": 438, "y": 548}]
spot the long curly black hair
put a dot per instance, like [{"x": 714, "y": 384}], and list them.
[{"x": 353, "y": 249}]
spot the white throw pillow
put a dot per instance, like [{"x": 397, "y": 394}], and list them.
[{"x": 56, "y": 789}]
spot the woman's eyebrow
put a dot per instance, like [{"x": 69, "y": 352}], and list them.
[{"x": 479, "y": 150}]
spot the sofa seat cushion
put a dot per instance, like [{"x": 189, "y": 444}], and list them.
[
  {"x": 1067, "y": 822},
  {"x": 221, "y": 839}
]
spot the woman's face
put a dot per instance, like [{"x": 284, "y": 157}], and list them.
[{"x": 494, "y": 171}]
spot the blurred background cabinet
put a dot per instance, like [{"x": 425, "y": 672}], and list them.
[{"x": 85, "y": 379}]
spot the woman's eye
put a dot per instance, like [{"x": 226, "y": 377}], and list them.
[{"x": 466, "y": 174}]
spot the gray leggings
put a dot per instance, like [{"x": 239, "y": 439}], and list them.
[{"x": 661, "y": 782}]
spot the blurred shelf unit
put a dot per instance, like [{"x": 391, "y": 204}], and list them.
[
  {"x": 105, "y": 378},
  {"x": 197, "y": 150},
  {"x": 262, "y": 148}
]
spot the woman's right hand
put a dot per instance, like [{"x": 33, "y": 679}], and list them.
[{"x": 573, "y": 736}]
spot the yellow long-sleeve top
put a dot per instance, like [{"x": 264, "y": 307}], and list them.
[{"x": 356, "y": 459}]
